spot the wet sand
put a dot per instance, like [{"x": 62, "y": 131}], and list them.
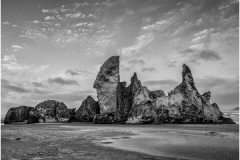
[{"x": 118, "y": 141}]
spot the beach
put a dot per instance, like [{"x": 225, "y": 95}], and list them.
[{"x": 119, "y": 141}]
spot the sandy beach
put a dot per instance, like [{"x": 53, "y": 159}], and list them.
[{"x": 118, "y": 141}]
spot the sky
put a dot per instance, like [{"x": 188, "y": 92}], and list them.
[{"x": 53, "y": 49}]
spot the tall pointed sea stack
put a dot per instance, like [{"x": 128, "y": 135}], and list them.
[{"x": 106, "y": 84}]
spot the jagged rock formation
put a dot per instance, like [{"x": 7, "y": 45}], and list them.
[
  {"x": 87, "y": 110},
  {"x": 132, "y": 104},
  {"x": 17, "y": 114},
  {"x": 53, "y": 111},
  {"x": 142, "y": 110},
  {"x": 106, "y": 84},
  {"x": 136, "y": 104}
]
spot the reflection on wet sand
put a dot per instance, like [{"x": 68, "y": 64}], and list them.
[{"x": 187, "y": 144}]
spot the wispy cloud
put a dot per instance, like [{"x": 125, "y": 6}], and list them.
[
  {"x": 6, "y": 85},
  {"x": 150, "y": 69},
  {"x": 136, "y": 62},
  {"x": 61, "y": 81}
]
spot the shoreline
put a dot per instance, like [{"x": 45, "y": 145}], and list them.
[{"x": 79, "y": 140}]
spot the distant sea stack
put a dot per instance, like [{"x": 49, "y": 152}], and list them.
[
  {"x": 133, "y": 104},
  {"x": 136, "y": 104}
]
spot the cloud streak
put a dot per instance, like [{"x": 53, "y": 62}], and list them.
[{"x": 61, "y": 81}]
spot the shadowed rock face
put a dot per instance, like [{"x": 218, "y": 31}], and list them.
[
  {"x": 157, "y": 94},
  {"x": 53, "y": 111},
  {"x": 34, "y": 117},
  {"x": 87, "y": 110},
  {"x": 106, "y": 84},
  {"x": 71, "y": 115},
  {"x": 17, "y": 114}
]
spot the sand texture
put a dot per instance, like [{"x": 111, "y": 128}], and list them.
[{"x": 117, "y": 141}]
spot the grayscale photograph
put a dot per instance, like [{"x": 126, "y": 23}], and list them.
[{"x": 120, "y": 79}]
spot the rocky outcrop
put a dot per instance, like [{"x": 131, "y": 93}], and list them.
[
  {"x": 183, "y": 104},
  {"x": 53, "y": 111},
  {"x": 34, "y": 117},
  {"x": 142, "y": 110},
  {"x": 105, "y": 118},
  {"x": 136, "y": 104},
  {"x": 106, "y": 84},
  {"x": 17, "y": 114},
  {"x": 71, "y": 115},
  {"x": 87, "y": 110},
  {"x": 156, "y": 94},
  {"x": 62, "y": 112}
]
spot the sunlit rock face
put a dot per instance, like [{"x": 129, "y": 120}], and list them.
[
  {"x": 183, "y": 104},
  {"x": 142, "y": 110},
  {"x": 106, "y": 85},
  {"x": 87, "y": 110},
  {"x": 17, "y": 114},
  {"x": 53, "y": 111}
]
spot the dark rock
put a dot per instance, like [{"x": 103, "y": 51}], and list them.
[
  {"x": 71, "y": 115},
  {"x": 227, "y": 120},
  {"x": 106, "y": 84},
  {"x": 53, "y": 111},
  {"x": 157, "y": 94},
  {"x": 71, "y": 111},
  {"x": 34, "y": 117},
  {"x": 87, "y": 110},
  {"x": 123, "y": 102},
  {"x": 17, "y": 114},
  {"x": 105, "y": 118}
]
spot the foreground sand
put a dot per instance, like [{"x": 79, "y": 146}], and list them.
[{"x": 116, "y": 141}]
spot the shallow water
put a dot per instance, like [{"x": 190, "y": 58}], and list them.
[{"x": 179, "y": 145}]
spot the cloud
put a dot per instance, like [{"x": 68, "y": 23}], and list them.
[
  {"x": 187, "y": 51},
  {"x": 209, "y": 55},
  {"x": 141, "y": 42},
  {"x": 41, "y": 68},
  {"x": 195, "y": 55},
  {"x": 77, "y": 72},
  {"x": 7, "y": 58},
  {"x": 38, "y": 84},
  {"x": 150, "y": 69},
  {"x": 172, "y": 63},
  {"x": 6, "y": 85},
  {"x": 48, "y": 18},
  {"x": 61, "y": 81},
  {"x": 220, "y": 85},
  {"x": 17, "y": 47},
  {"x": 136, "y": 62},
  {"x": 167, "y": 82}
]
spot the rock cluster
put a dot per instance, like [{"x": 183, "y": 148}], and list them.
[
  {"x": 53, "y": 111},
  {"x": 133, "y": 104},
  {"x": 136, "y": 104}
]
